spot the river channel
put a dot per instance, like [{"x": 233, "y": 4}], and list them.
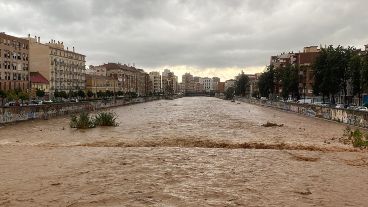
[{"x": 196, "y": 151}]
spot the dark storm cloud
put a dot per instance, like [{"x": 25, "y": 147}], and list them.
[{"x": 197, "y": 33}]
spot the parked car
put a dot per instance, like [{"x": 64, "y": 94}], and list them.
[
  {"x": 362, "y": 108},
  {"x": 305, "y": 101},
  {"x": 340, "y": 106},
  {"x": 73, "y": 100},
  {"x": 48, "y": 102},
  {"x": 11, "y": 103},
  {"x": 35, "y": 103}
]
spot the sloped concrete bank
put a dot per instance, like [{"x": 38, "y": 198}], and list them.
[
  {"x": 346, "y": 116},
  {"x": 16, "y": 114}
]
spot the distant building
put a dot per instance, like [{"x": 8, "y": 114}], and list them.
[
  {"x": 128, "y": 78},
  {"x": 96, "y": 70},
  {"x": 100, "y": 83},
  {"x": 215, "y": 81},
  {"x": 253, "y": 84},
  {"x": 63, "y": 68},
  {"x": 303, "y": 60},
  {"x": 14, "y": 63},
  {"x": 155, "y": 78},
  {"x": 188, "y": 83},
  {"x": 221, "y": 87},
  {"x": 169, "y": 82},
  {"x": 39, "y": 82},
  {"x": 230, "y": 83},
  {"x": 207, "y": 84}
]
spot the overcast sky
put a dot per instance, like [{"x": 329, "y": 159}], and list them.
[{"x": 204, "y": 37}]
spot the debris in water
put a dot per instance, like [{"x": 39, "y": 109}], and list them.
[
  {"x": 307, "y": 192},
  {"x": 270, "y": 124}
]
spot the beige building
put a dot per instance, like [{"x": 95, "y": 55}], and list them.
[
  {"x": 14, "y": 63},
  {"x": 188, "y": 83},
  {"x": 155, "y": 78},
  {"x": 169, "y": 82},
  {"x": 96, "y": 70},
  {"x": 63, "y": 68},
  {"x": 100, "y": 83},
  {"x": 39, "y": 82},
  {"x": 128, "y": 78}
]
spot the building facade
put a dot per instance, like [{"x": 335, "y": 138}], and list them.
[
  {"x": 169, "y": 82},
  {"x": 63, "y": 68},
  {"x": 100, "y": 83},
  {"x": 155, "y": 78},
  {"x": 207, "y": 84},
  {"x": 303, "y": 61},
  {"x": 129, "y": 79},
  {"x": 188, "y": 83},
  {"x": 14, "y": 63},
  {"x": 39, "y": 82},
  {"x": 230, "y": 83}
]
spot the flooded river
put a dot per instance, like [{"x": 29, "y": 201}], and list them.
[{"x": 186, "y": 152}]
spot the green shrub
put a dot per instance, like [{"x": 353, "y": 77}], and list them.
[
  {"x": 83, "y": 121},
  {"x": 106, "y": 119},
  {"x": 357, "y": 138}
]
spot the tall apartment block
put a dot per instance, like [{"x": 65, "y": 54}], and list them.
[
  {"x": 14, "y": 63},
  {"x": 63, "y": 68},
  {"x": 156, "y": 81}
]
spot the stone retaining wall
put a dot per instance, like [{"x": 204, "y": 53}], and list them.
[
  {"x": 16, "y": 114},
  {"x": 346, "y": 116}
]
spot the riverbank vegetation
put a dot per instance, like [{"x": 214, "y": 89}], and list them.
[
  {"x": 356, "y": 137},
  {"x": 85, "y": 121}
]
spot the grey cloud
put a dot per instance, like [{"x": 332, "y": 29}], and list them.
[{"x": 200, "y": 33}]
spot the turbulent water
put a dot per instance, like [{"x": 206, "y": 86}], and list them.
[{"x": 185, "y": 152}]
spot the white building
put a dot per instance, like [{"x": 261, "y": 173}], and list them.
[{"x": 207, "y": 84}]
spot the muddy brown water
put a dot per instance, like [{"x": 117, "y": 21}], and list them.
[{"x": 185, "y": 152}]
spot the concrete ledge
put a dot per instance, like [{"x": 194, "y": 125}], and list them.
[
  {"x": 17, "y": 114},
  {"x": 346, "y": 116}
]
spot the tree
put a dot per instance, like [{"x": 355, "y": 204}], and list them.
[
  {"x": 71, "y": 94},
  {"x": 2, "y": 96},
  {"x": 327, "y": 73},
  {"x": 23, "y": 96},
  {"x": 11, "y": 96},
  {"x": 290, "y": 82},
  {"x": 355, "y": 65},
  {"x": 101, "y": 94},
  {"x": 229, "y": 93},
  {"x": 81, "y": 94},
  {"x": 63, "y": 94},
  {"x": 90, "y": 94},
  {"x": 57, "y": 94},
  {"x": 266, "y": 83},
  {"x": 40, "y": 93},
  {"x": 242, "y": 85}
]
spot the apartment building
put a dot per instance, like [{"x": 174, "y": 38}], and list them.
[
  {"x": 128, "y": 78},
  {"x": 155, "y": 78},
  {"x": 303, "y": 60},
  {"x": 207, "y": 84},
  {"x": 188, "y": 83},
  {"x": 100, "y": 83},
  {"x": 14, "y": 63},
  {"x": 63, "y": 68},
  {"x": 169, "y": 82}
]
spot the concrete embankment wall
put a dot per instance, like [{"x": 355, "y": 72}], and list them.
[
  {"x": 16, "y": 114},
  {"x": 346, "y": 116}
]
